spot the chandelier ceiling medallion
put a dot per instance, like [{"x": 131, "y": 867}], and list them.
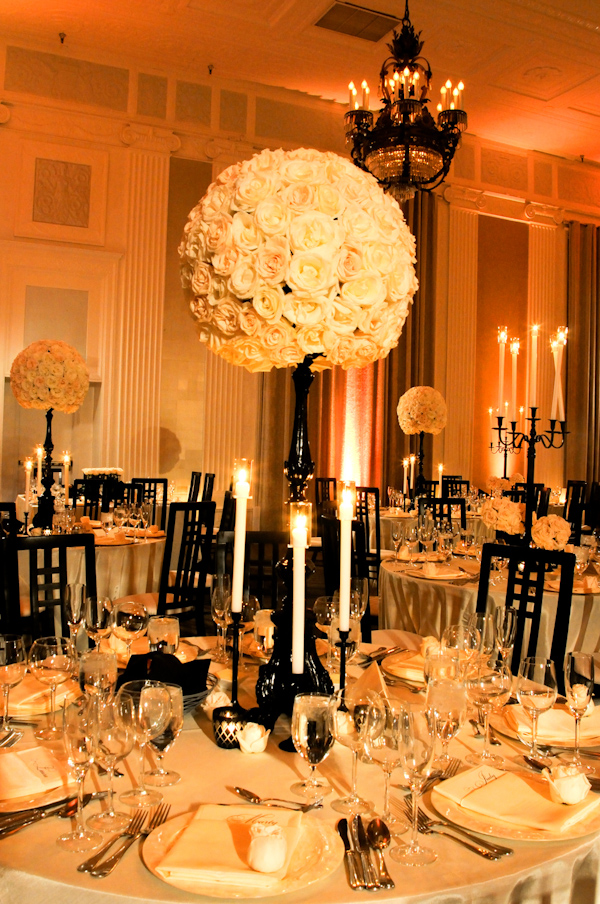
[{"x": 404, "y": 147}]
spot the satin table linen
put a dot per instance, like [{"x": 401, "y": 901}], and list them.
[{"x": 33, "y": 870}]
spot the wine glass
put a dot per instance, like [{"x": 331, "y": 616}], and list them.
[
  {"x": 97, "y": 618},
  {"x": 160, "y": 744},
  {"x": 129, "y": 621},
  {"x": 250, "y": 607},
  {"x": 447, "y": 702},
  {"x": 220, "y": 607},
  {"x": 427, "y": 537},
  {"x": 313, "y": 738},
  {"x": 98, "y": 675},
  {"x": 417, "y": 741},
  {"x": 13, "y": 666},
  {"x": 349, "y": 711},
  {"x": 107, "y": 522},
  {"x": 326, "y": 608},
  {"x": 505, "y": 623},
  {"x": 78, "y": 733},
  {"x": 148, "y": 718},
  {"x": 484, "y": 624},
  {"x": 113, "y": 741},
  {"x": 488, "y": 685},
  {"x": 120, "y": 515},
  {"x": 536, "y": 692},
  {"x": 135, "y": 517},
  {"x": 579, "y": 686},
  {"x": 51, "y": 661},
  {"x": 74, "y": 611},
  {"x": 411, "y": 538},
  {"x": 145, "y": 515},
  {"x": 359, "y": 597},
  {"x": 582, "y": 559},
  {"x": 383, "y": 748},
  {"x": 464, "y": 640},
  {"x": 397, "y": 531}
]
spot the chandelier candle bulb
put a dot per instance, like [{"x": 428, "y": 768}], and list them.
[
  {"x": 28, "y": 468},
  {"x": 39, "y": 452},
  {"x": 562, "y": 341},
  {"x": 345, "y": 513},
  {"x": 242, "y": 492},
  {"x": 502, "y": 340},
  {"x": 299, "y": 542},
  {"x": 514, "y": 350},
  {"x": 351, "y": 93},
  {"x": 364, "y": 94}
]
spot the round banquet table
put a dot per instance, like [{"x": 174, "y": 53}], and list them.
[
  {"x": 481, "y": 533},
  {"x": 33, "y": 870}
]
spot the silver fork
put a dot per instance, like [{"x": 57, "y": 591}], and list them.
[
  {"x": 135, "y": 824},
  {"x": 156, "y": 819},
  {"x": 427, "y": 826},
  {"x": 11, "y": 738}
]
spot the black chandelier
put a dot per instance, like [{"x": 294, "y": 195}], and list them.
[{"x": 405, "y": 148}]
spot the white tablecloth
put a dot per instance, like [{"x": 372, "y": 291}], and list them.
[{"x": 33, "y": 870}]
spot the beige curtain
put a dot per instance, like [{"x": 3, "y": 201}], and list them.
[
  {"x": 353, "y": 427},
  {"x": 582, "y": 446}
]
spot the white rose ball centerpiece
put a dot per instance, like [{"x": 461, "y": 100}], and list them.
[{"x": 422, "y": 409}]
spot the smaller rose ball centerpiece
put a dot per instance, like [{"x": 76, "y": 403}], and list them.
[
  {"x": 550, "y": 532},
  {"x": 422, "y": 409}
]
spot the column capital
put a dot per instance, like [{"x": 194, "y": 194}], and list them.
[
  {"x": 149, "y": 138},
  {"x": 4, "y": 113}
]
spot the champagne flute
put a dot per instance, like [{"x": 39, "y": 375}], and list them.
[
  {"x": 220, "y": 607},
  {"x": 447, "y": 702},
  {"x": 417, "y": 741},
  {"x": 488, "y": 683},
  {"x": 163, "y": 742},
  {"x": 97, "y": 618},
  {"x": 78, "y": 733},
  {"x": 397, "y": 532},
  {"x": 505, "y": 622},
  {"x": 383, "y": 748},
  {"x": 129, "y": 620},
  {"x": 13, "y": 666},
  {"x": 113, "y": 741},
  {"x": 148, "y": 717},
  {"x": 484, "y": 625},
  {"x": 120, "y": 515},
  {"x": 313, "y": 738},
  {"x": 579, "y": 687},
  {"x": 411, "y": 538},
  {"x": 98, "y": 675},
  {"x": 536, "y": 692},
  {"x": 51, "y": 661},
  {"x": 350, "y": 724},
  {"x": 74, "y": 611}
]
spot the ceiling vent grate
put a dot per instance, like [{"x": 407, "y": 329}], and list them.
[{"x": 347, "y": 19}]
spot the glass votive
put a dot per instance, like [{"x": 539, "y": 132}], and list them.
[
  {"x": 163, "y": 634},
  {"x": 264, "y": 632}
]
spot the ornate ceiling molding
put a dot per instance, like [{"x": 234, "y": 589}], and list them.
[{"x": 149, "y": 138}]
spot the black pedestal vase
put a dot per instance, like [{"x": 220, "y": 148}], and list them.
[{"x": 45, "y": 512}]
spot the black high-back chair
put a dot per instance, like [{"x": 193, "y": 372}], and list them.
[
  {"x": 543, "y": 502},
  {"x": 87, "y": 492},
  {"x": 154, "y": 491},
  {"x": 367, "y": 511},
  {"x": 427, "y": 487},
  {"x": 444, "y": 508},
  {"x": 10, "y": 616},
  {"x": 207, "y": 490},
  {"x": 525, "y": 590},
  {"x": 592, "y": 509},
  {"x": 331, "y": 562},
  {"x": 518, "y": 493},
  {"x": 325, "y": 492},
  {"x": 8, "y": 518},
  {"x": 228, "y": 512},
  {"x": 264, "y": 549},
  {"x": 454, "y": 486},
  {"x": 116, "y": 492},
  {"x": 195, "y": 482},
  {"x": 48, "y": 580},
  {"x": 573, "y": 508}
]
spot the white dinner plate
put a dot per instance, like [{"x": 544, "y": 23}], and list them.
[
  {"x": 41, "y": 705},
  {"x": 318, "y": 853},
  {"x": 16, "y": 804},
  {"x": 443, "y": 574},
  {"x": 485, "y": 825},
  {"x": 403, "y": 665},
  {"x": 499, "y": 724},
  {"x": 186, "y": 652}
]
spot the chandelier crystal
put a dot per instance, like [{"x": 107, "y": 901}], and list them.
[{"x": 405, "y": 148}]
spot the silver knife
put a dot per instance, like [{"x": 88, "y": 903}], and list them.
[
  {"x": 349, "y": 856},
  {"x": 381, "y": 875},
  {"x": 365, "y": 860},
  {"x": 23, "y": 818}
]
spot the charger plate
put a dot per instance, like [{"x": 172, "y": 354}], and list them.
[
  {"x": 500, "y": 725},
  {"x": 318, "y": 854}
]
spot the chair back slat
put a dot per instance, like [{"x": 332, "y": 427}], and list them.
[
  {"x": 195, "y": 482},
  {"x": 444, "y": 508},
  {"x": 188, "y": 545},
  {"x": 154, "y": 492},
  {"x": 368, "y": 512}
]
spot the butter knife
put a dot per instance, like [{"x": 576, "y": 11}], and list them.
[
  {"x": 349, "y": 856},
  {"x": 370, "y": 881}
]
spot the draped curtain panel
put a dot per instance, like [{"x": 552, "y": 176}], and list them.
[
  {"x": 582, "y": 451},
  {"x": 353, "y": 427}
]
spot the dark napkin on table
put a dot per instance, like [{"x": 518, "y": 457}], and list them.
[{"x": 190, "y": 676}]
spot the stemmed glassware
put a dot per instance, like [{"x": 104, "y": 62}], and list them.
[
  {"x": 326, "y": 608},
  {"x": 383, "y": 748},
  {"x": 98, "y": 675},
  {"x": 505, "y": 623},
  {"x": 411, "y": 538},
  {"x": 97, "y": 618},
  {"x": 313, "y": 738},
  {"x": 220, "y": 607},
  {"x": 129, "y": 621},
  {"x": 120, "y": 515},
  {"x": 135, "y": 518},
  {"x": 447, "y": 702},
  {"x": 78, "y": 734},
  {"x": 579, "y": 687},
  {"x": 148, "y": 718},
  {"x": 160, "y": 744},
  {"x": 464, "y": 640},
  {"x": 427, "y": 536},
  {"x": 13, "y": 666},
  {"x": 536, "y": 692},
  {"x": 74, "y": 610},
  {"x": 484, "y": 625},
  {"x": 163, "y": 634},
  {"x": 250, "y": 607},
  {"x": 113, "y": 741},
  {"x": 488, "y": 686},
  {"x": 359, "y": 597},
  {"x": 417, "y": 742},
  {"x": 397, "y": 531},
  {"x": 350, "y": 724},
  {"x": 51, "y": 661}
]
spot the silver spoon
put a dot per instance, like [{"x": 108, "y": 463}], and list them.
[
  {"x": 378, "y": 836},
  {"x": 479, "y": 733}
]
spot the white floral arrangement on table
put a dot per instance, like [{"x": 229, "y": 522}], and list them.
[
  {"x": 550, "y": 532},
  {"x": 102, "y": 472},
  {"x": 497, "y": 485},
  {"x": 517, "y": 478},
  {"x": 49, "y": 374},
  {"x": 503, "y": 514},
  {"x": 297, "y": 253},
  {"x": 422, "y": 409}
]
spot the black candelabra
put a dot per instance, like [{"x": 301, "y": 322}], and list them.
[{"x": 503, "y": 446}]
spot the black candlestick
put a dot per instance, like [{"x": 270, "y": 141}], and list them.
[
  {"x": 503, "y": 446},
  {"x": 343, "y": 646},
  {"x": 228, "y": 720},
  {"x": 43, "y": 516}
]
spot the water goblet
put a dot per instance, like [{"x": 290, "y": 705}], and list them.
[
  {"x": 484, "y": 625},
  {"x": 417, "y": 741},
  {"x": 536, "y": 692},
  {"x": 112, "y": 741},
  {"x": 383, "y": 748},
  {"x": 350, "y": 725},
  {"x": 313, "y": 738},
  {"x": 582, "y": 559},
  {"x": 397, "y": 531},
  {"x": 107, "y": 522},
  {"x": 359, "y": 597},
  {"x": 51, "y": 661},
  {"x": 135, "y": 518},
  {"x": 352, "y": 641},
  {"x": 13, "y": 666},
  {"x": 447, "y": 702},
  {"x": 148, "y": 717},
  {"x": 579, "y": 687},
  {"x": 120, "y": 515},
  {"x": 488, "y": 686},
  {"x": 411, "y": 538},
  {"x": 97, "y": 618},
  {"x": 220, "y": 607},
  {"x": 145, "y": 514},
  {"x": 98, "y": 675},
  {"x": 78, "y": 734},
  {"x": 129, "y": 620},
  {"x": 160, "y": 744},
  {"x": 464, "y": 640},
  {"x": 163, "y": 634},
  {"x": 505, "y": 621},
  {"x": 74, "y": 610}
]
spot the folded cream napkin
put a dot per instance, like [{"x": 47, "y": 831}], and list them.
[
  {"x": 31, "y": 697},
  {"x": 29, "y": 773},
  {"x": 89, "y": 524},
  {"x": 408, "y": 664},
  {"x": 213, "y": 848},
  {"x": 152, "y": 533},
  {"x": 371, "y": 679},
  {"x": 433, "y": 570},
  {"x": 116, "y": 538},
  {"x": 515, "y": 798},
  {"x": 557, "y": 724}
]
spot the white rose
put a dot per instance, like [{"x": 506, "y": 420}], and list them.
[
  {"x": 272, "y": 216},
  {"x": 343, "y": 317},
  {"x": 299, "y": 196},
  {"x": 277, "y": 335},
  {"x": 349, "y": 262},
  {"x": 358, "y": 224},
  {"x": 567, "y": 785},
  {"x": 250, "y": 322},
  {"x": 218, "y": 232},
  {"x": 228, "y": 175},
  {"x": 215, "y": 698},
  {"x": 365, "y": 351},
  {"x": 249, "y": 353},
  {"x": 310, "y": 274},
  {"x": 305, "y": 311},
  {"x": 214, "y": 202},
  {"x": 379, "y": 256},
  {"x": 353, "y": 189},
  {"x": 246, "y": 235},
  {"x": 315, "y": 231},
  {"x": 226, "y": 315},
  {"x": 251, "y": 189},
  {"x": 310, "y": 339},
  {"x": 253, "y": 738},
  {"x": 201, "y": 279},
  {"x": 201, "y": 309},
  {"x": 329, "y": 200},
  {"x": 225, "y": 260},
  {"x": 243, "y": 280},
  {"x": 268, "y": 302},
  {"x": 337, "y": 348},
  {"x": 272, "y": 260},
  {"x": 365, "y": 289},
  {"x": 402, "y": 281},
  {"x": 310, "y": 171}
]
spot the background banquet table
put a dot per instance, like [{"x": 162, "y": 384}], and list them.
[
  {"x": 481, "y": 533},
  {"x": 561, "y": 872}
]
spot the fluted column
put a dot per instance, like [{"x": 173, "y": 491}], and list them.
[
  {"x": 547, "y": 306},
  {"x": 461, "y": 337},
  {"x": 132, "y": 381}
]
